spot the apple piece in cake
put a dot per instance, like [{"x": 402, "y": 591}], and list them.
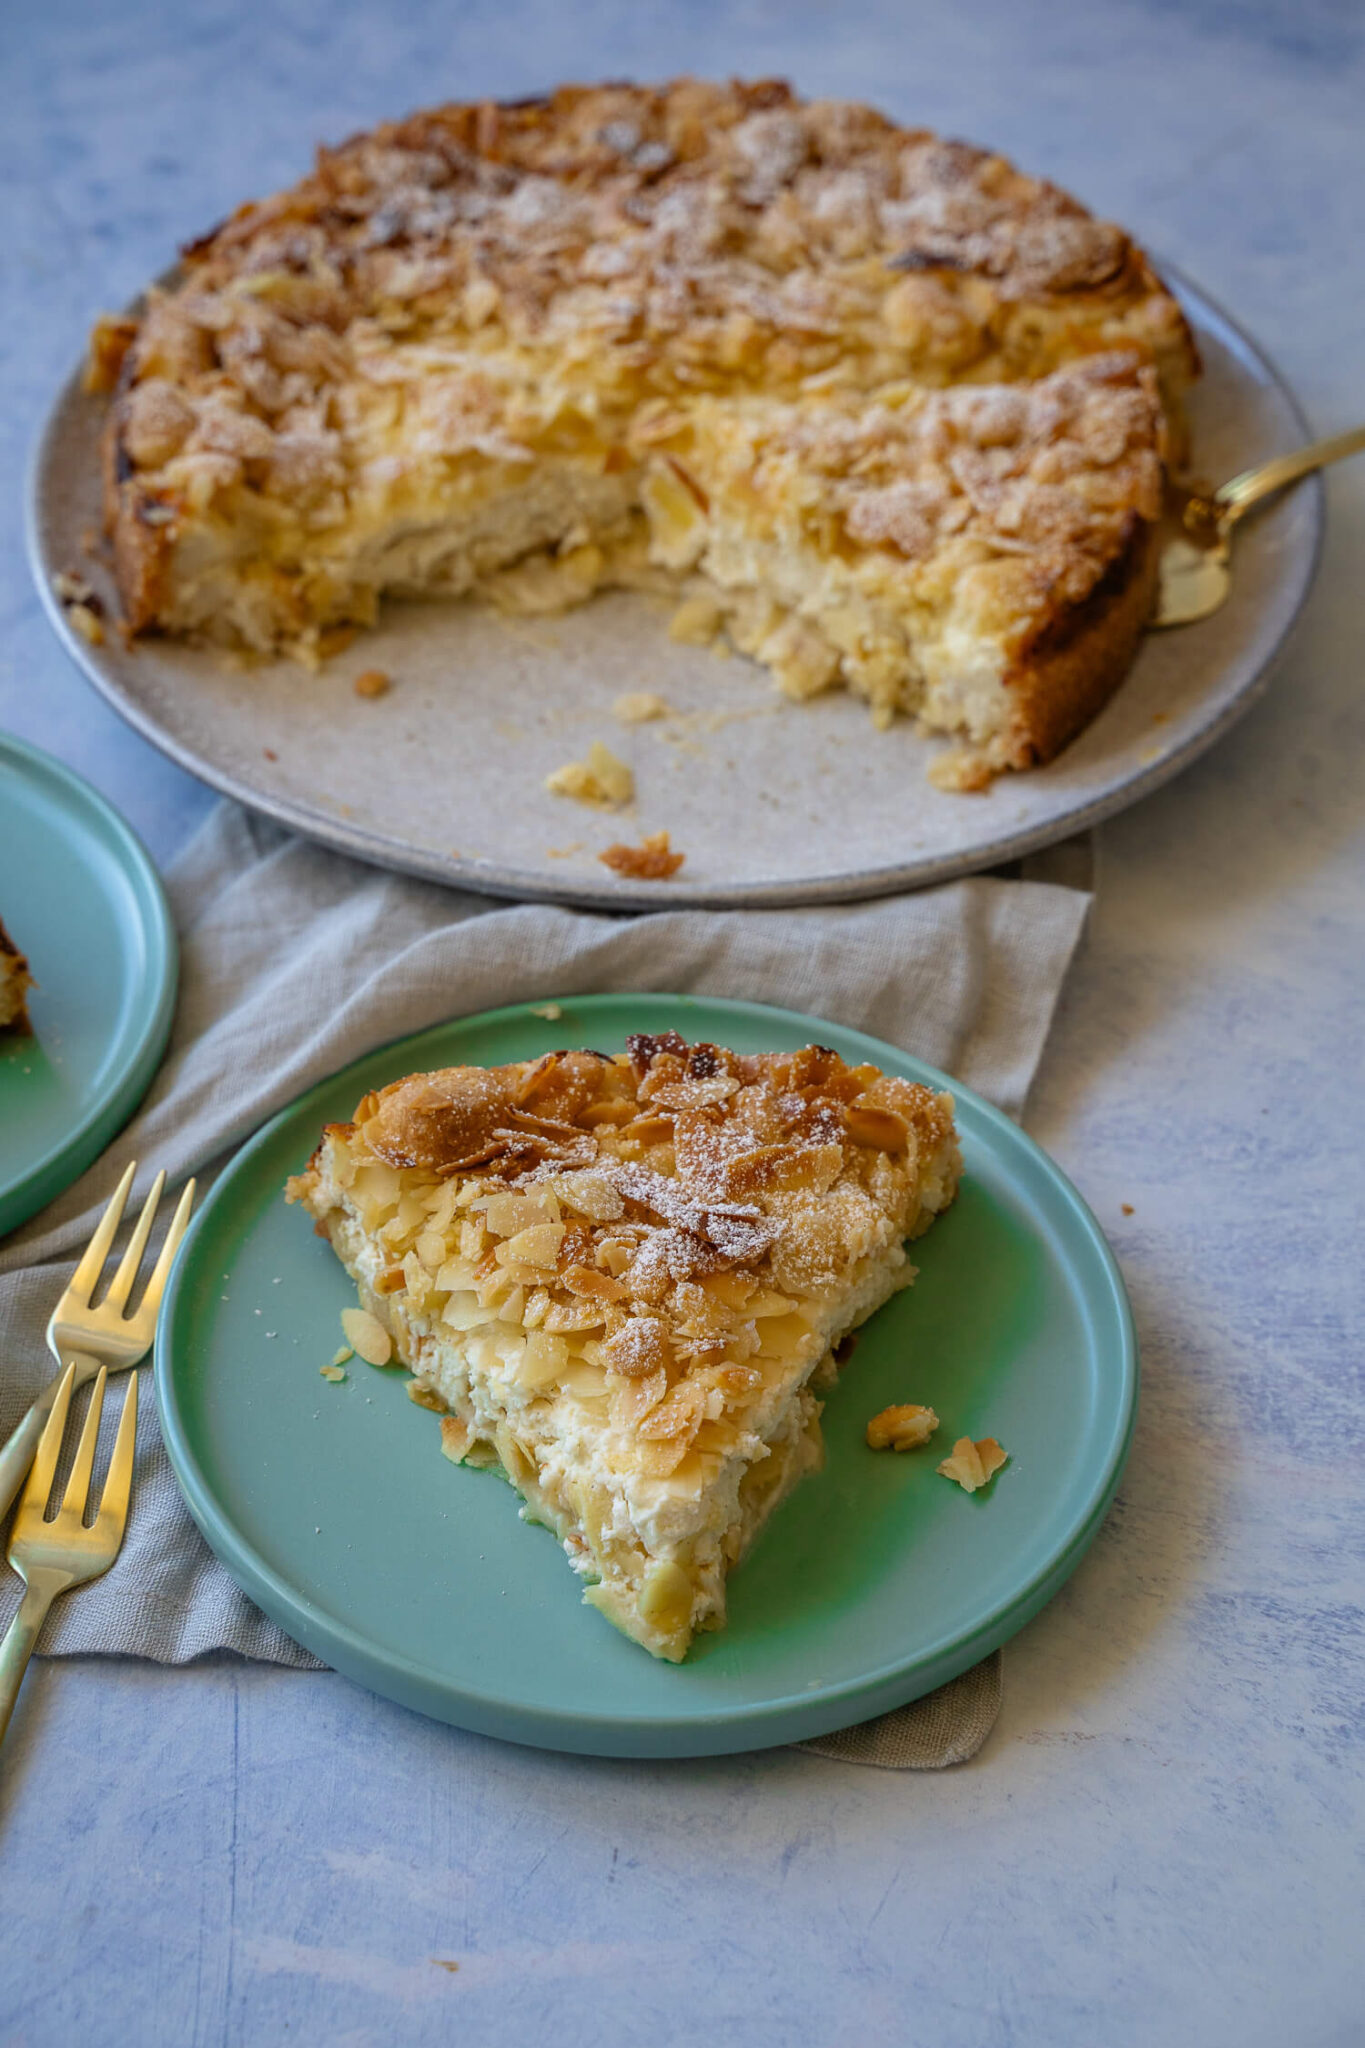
[
  {"x": 15, "y": 983},
  {"x": 895, "y": 410},
  {"x": 623, "y": 1277}
]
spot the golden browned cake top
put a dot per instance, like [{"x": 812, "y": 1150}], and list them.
[
  {"x": 663, "y": 241},
  {"x": 654, "y": 1204}
]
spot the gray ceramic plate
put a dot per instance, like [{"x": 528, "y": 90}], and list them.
[{"x": 771, "y": 802}]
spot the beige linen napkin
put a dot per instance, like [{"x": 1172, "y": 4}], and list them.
[{"x": 295, "y": 961}]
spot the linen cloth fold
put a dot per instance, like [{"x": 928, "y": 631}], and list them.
[{"x": 296, "y": 960}]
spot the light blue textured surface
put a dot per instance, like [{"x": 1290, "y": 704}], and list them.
[{"x": 1160, "y": 1842}]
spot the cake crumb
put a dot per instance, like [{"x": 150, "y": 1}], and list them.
[
  {"x": 640, "y": 707},
  {"x": 653, "y": 860},
  {"x": 972, "y": 1464},
  {"x": 1127, "y": 1208},
  {"x": 696, "y": 622},
  {"x": 551, "y": 1012},
  {"x": 902, "y": 1428},
  {"x": 372, "y": 682},
  {"x": 601, "y": 780},
  {"x": 961, "y": 771}
]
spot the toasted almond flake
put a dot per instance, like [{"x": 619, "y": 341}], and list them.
[
  {"x": 425, "y": 1397},
  {"x": 972, "y": 1464},
  {"x": 341, "y": 1354},
  {"x": 455, "y": 1438},
  {"x": 902, "y": 1428},
  {"x": 331, "y": 1372},
  {"x": 367, "y": 1335}
]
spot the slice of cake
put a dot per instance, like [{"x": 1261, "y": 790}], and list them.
[
  {"x": 15, "y": 982},
  {"x": 898, "y": 409},
  {"x": 622, "y": 1277}
]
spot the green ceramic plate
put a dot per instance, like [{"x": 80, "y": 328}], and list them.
[
  {"x": 332, "y": 1506},
  {"x": 83, "y": 901}
]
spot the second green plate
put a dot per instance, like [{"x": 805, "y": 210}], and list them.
[{"x": 333, "y": 1508}]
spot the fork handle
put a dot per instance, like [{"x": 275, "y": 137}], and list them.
[
  {"x": 18, "y": 1454},
  {"x": 20, "y": 1637}
]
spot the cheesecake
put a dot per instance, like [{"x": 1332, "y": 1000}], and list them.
[
  {"x": 623, "y": 1280},
  {"x": 890, "y": 413}
]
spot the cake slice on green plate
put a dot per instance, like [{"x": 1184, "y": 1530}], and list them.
[{"x": 621, "y": 1279}]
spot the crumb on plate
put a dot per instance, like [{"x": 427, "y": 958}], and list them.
[
  {"x": 696, "y": 622},
  {"x": 601, "y": 780},
  {"x": 972, "y": 1464},
  {"x": 640, "y": 707},
  {"x": 651, "y": 861},
  {"x": 902, "y": 1428}
]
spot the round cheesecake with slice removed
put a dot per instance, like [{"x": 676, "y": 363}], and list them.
[{"x": 882, "y": 409}]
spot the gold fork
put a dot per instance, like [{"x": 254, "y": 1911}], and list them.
[
  {"x": 52, "y": 1556},
  {"x": 91, "y": 1338},
  {"x": 1195, "y": 576}
]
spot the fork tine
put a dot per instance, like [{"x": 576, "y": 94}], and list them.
[
  {"x": 49, "y": 1449},
  {"x": 78, "y": 1485},
  {"x": 113, "y": 1512},
  {"x": 97, "y": 1251},
  {"x": 121, "y": 1285},
  {"x": 151, "y": 1300}
]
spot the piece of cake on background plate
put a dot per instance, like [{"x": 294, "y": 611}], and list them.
[{"x": 15, "y": 983}]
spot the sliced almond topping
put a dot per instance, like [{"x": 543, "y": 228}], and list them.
[
  {"x": 972, "y": 1464},
  {"x": 882, "y": 1128},
  {"x": 367, "y": 1336},
  {"x": 425, "y": 1397},
  {"x": 455, "y": 1438}
]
